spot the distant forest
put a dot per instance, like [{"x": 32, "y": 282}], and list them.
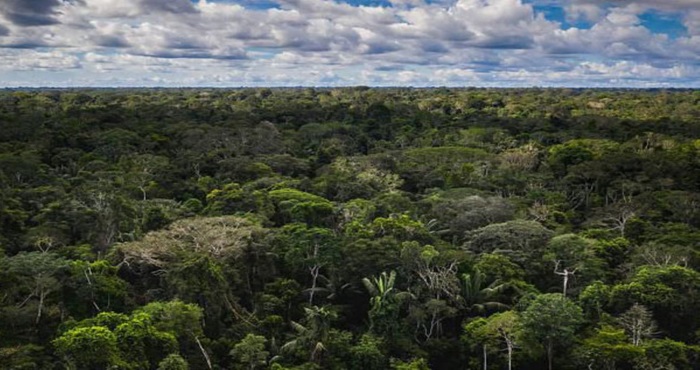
[{"x": 350, "y": 228}]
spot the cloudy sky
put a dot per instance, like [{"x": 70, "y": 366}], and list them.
[{"x": 635, "y": 43}]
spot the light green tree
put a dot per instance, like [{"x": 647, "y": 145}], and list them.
[
  {"x": 92, "y": 347},
  {"x": 250, "y": 351}
]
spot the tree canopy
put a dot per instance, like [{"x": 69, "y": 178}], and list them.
[{"x": 349, "y": 228}]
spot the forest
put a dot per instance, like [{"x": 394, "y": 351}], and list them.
[{"x": 349, "y": 228}]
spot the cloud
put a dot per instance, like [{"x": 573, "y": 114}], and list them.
[
  {"x": 301, "y": 42},
  {"x": 30, "y": 12},
  {"x": 30, "y": 60},
  {"x": 668, "y": 5},
  {"x": 169, "y": 6}
]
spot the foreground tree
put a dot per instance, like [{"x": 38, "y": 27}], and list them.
[
  {"x": 506, "y": 327},
  {"x": 550, "y": 322},
  {"x": 91, "y": 347}
]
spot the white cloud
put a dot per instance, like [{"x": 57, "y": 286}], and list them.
[
  {"x": 331, "y": 42},
  {"x": 31, "y": 60}
]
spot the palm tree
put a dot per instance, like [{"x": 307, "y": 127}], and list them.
[
  {"x": 312, "y": 335},
  {"x": 385, "y": 302},
  {"x": 479, "y": 297},
  {"x": 382, "y": 290}
]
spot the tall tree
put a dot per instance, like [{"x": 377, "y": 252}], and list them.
[{"x": 550, "y": 321}]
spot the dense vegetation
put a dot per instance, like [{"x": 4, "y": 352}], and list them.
[{"x": 349, "y": 229}]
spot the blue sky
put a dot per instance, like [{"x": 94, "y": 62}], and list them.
[{"x": 597, "y": 43}]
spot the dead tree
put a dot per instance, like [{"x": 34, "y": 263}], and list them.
[{"x": 565, "y": 274}]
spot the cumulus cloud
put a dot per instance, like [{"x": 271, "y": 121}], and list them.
[{"x": 330, "y": 42}]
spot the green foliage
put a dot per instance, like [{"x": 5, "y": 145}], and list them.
[
  {"x": 608, "y": 349},
  {"x": 479, "y": 295},
  {"x": 96, "y": 285},
  {"x": 178, "y": 317},
  {"x": 141, "y": 343},
  {"x": 88, "y": 347},
  {"x": 522, "y": 241},
  {"x": 250, "y": 351},
  {"x": 415, "y": 364},
  {"x": 663, "y": 289},
  {"x": 402, "y": 227},
  {"x": 298, "y": 206},
  {"x": 231, "y": 199},
  {"x": 385, "y": 303},
  {"x": 34, "y": 279},
  {"x": 312, "y": 335},
  {"x": 141, "y": 340},
  {"x": 595, "y": 298},
  {"x": 550, "y": 321},
  {"x": 173, "y": 362},
  {"x": 577, "y": 151},
  {"x": 25, "y": 357},
  {"x": 349, "y": 228},
  {"x": 367, "y": 354},
  {"x": 441, "y": 166}
]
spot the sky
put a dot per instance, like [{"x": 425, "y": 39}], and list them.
[{"x": 233, "y": 43}]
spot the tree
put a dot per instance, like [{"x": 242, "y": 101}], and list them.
[
  {"x": 663, "y": 289},
  {"x": 141, "y": 343},
  {"x": 476, "y": 336},
  {"x": 141, "y": 340},
  {"x": 522, "y": 241},
  {"x": 173, "y": 362},
  {"x": 141, "y": 170},
  {"x": 308, "y": 248},
  {"x": 37, "y": 275},
  {"x": 437, "y": 292},
  {"x": 103, "y": 214},
  {"x": 460, "y": 215},
  {"x": 550, "y": 321},
  {"x": 638, "y": 323},
  {"x": 506, "y": 327},
  {"x": 478, "y": 296},
  {"x": 571, "y": 254},
  {"x": 595, "y": 298},
  {"x": 184, "y": 321},
  {"x": 93, "y": 347},
  {"x": 665, "y": 354},
  {"x": 440, "y": 166},
  {"x": 250, "y": 351},
  {"x": 573, "y": 152},
  {"x": 607, "y": 349},
  {"x": 230, "y": 199},
  {"x": 312, "y": 336},
  {"x": 199, "y": 260},
  {"x": 367, "y": 354},
  {"x": 297, "y": 206},
  {"x": 384, "y": 302},
  {"x": 97, "y": 284}
]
